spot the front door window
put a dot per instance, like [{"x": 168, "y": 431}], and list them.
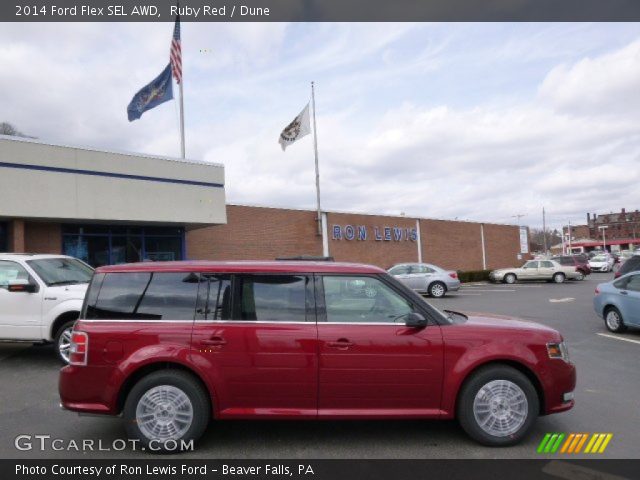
[{"x": 363, "y": 300}]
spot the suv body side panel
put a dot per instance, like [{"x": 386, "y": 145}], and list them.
[{"x": 259, "y": 369}]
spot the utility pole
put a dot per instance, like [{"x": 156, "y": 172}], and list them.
[{"x": 544, "y": 231}]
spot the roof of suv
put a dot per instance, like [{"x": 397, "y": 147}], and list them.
[{"x": 243, "y": 267}]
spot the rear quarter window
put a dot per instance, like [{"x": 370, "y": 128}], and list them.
[{"x": 143, "y": 296}]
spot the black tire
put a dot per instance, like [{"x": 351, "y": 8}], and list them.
[
  {"x": 437, "y": 290},
  {"x": 510, "y": 278},
  {"x": 580, "y": 276},
  {"x": 187, "y": 384},
  {"x": 558, "y": 278},
  {"x": 475, "y": 383},
  {"x": 610, "y": 321},
  {"x": 59, "y": 340}
]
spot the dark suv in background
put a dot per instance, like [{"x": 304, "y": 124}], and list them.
[
  {"x": 581, "y": 262},
  {"x": 632, "y": 264}
]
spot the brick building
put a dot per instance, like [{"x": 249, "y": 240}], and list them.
[
  {"x": 106, "y": 207},
  {"x": 613, "y": 231}
]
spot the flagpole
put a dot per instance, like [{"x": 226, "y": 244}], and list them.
[
  {"x": 315, "y": 147},
  {"x": 181, "y": 118}
]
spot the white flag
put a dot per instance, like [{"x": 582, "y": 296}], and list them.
[{"x": 297, "y": 129}]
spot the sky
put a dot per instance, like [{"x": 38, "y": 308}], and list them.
[{"x": 467, "y": 121}]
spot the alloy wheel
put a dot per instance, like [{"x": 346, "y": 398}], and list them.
[
  {"x": 500, "y": 408},
  {"x": 164, "y": 413}
]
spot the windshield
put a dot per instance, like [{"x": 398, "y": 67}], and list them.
[
  {"x": 61, "y": 271},
  {"x": 599, "y": 258}
]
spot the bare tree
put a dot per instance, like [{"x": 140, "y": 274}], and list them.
[{"x": 7, "y": 129}]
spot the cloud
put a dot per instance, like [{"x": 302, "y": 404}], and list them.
[
  {"x": 477, "y": 122},
  {"x": 603, "y": 85}
]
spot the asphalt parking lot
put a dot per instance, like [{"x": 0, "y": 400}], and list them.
[{"x": 607, "y": 396}]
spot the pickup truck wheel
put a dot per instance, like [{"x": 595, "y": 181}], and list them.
[
  {"x": 497, "y": 406},
  {"x": 166, "y": 411},
  {"x": 63, "y": 341},
  {"x": 558, "y": 278}
]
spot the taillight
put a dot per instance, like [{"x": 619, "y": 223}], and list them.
[
  {"x": 597, "y": 291},
  {"x": 79, "y": 350},
  {"x": 453, "y": 275}
]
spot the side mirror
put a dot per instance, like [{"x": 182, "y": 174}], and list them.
[
  {"x": 416, "y": 320},
  {"x": 21, "y": 286}
]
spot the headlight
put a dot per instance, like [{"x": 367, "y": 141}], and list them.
[{"x": 558, "y": 350}]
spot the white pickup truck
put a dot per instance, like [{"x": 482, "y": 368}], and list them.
[{"x": 41, "y": 297}]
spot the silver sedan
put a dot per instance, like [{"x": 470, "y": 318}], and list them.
[{"x": 426, "y": 278}]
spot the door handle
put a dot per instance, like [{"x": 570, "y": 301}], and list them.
[
  {"x": 622, "y": 292},
  {"x": 214, "y": 342},
  {"x": 341, "y": 343}
]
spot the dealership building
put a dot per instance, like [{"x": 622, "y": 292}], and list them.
[{"x": 114, "y": 207}]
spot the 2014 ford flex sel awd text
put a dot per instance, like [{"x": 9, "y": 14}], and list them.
[{"x": 171, "y": 346}]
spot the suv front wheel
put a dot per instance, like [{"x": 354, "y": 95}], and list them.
[
  {"x": 167, "y": 411},
  {"x": 498, "y": 406}
]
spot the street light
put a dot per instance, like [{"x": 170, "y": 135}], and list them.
[{"x": 604, "y": 236}]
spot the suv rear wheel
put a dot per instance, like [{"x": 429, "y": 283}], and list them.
[
  {"x": 498, "y": 406},
  {"x": 166, "y": 410}
]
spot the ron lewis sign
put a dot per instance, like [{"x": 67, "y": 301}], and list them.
[{"x": 379, "y": 234}]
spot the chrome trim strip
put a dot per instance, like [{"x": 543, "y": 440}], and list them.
[{"x": 241, "y": 322}]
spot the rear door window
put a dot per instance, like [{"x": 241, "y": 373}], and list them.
[
  {"x": 214, "y": 297},
  {"x": 272, "y": 298}
]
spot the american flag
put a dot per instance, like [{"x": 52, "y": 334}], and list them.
[{"x": 176, "y": 52}]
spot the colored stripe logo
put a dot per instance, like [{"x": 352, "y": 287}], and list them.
[{"x": 573, "y": 443}]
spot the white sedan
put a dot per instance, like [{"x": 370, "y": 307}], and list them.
[
  {"x": 549, "y": 270},
  {"x": 602, "y": 263}
]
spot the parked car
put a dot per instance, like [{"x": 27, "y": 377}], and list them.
[
  {"x": 172, "y": 345},
  {"x": 602, "y": 263},
  {"x": 41, "y": 297},
  {"x": 632, "y": 264},
  {"x": 549, "y": 270},
  {"x": 618, "y": 302},
  {"x": 580, "y": 262},
  {"x": 426, "y": 278}
]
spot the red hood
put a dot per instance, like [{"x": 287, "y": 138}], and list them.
[{"x": 505, "y": 322}]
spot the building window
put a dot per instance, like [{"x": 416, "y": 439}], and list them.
[
  {"x": 113, "y": 244},
  {"x": 3, "y": 237}
]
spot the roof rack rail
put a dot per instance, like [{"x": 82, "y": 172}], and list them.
[{"x": 307, "y": 258}]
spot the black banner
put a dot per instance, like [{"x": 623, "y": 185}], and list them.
[
  {"x": 557, "y": 468},
  {"x": 320, "y": 10}
]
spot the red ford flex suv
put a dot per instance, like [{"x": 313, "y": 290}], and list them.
[{"x": 171, "y": 346}]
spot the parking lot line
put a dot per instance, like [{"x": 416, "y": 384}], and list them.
[
  {"x": 616, "y": 337},
  {"x": 493, "y": 290}
]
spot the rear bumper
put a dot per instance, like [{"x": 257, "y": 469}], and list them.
[
  {"x": 88, "y": 390},
  {"x": 453, "y": 286}
]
